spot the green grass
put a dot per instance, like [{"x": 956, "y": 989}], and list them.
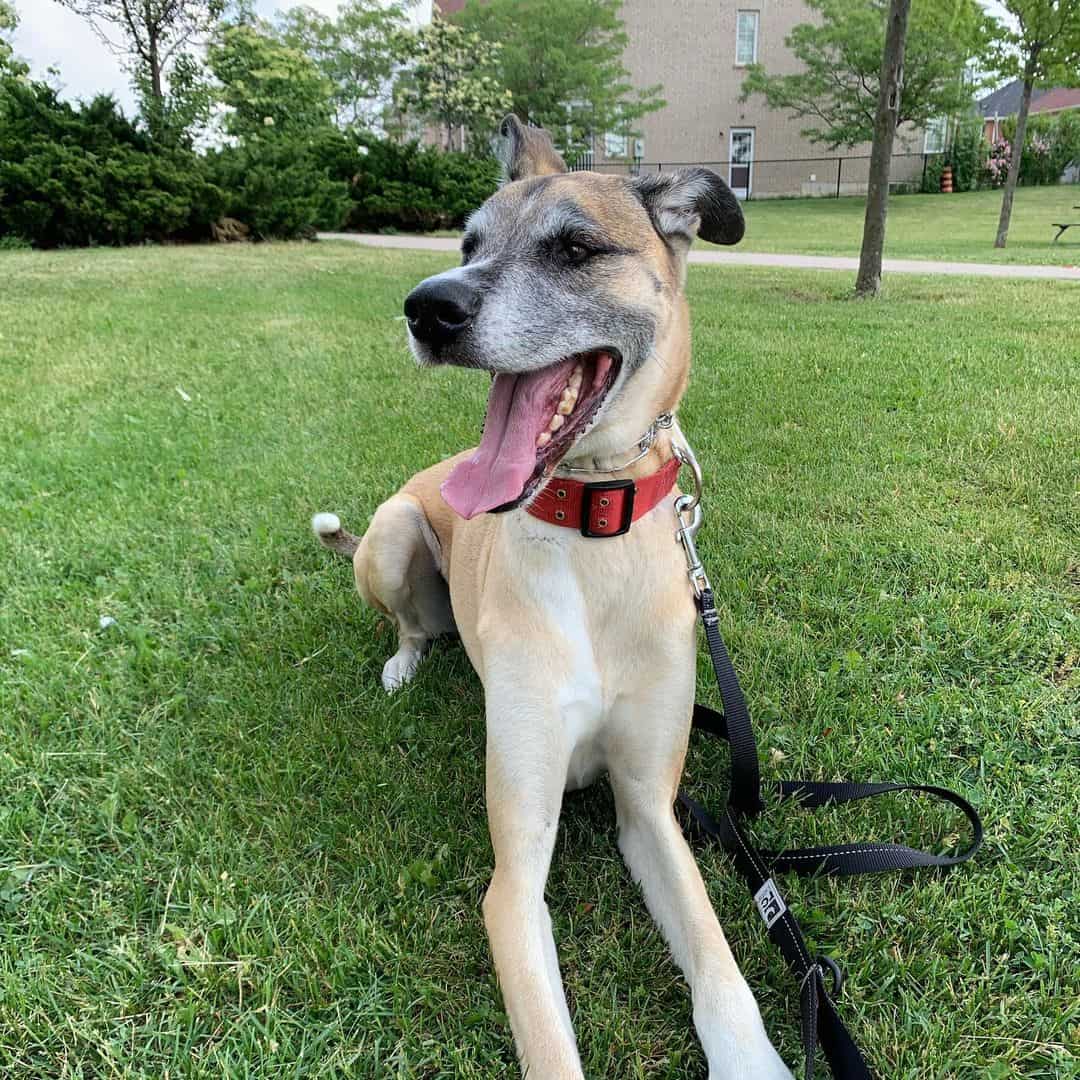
[
  {"x": 952, "y": 228},
  {"x": 225, "y": 852},
  {"x": 959, "y": 227}
]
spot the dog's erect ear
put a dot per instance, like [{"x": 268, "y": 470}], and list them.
[
  {"x": 689, "y": 203},
  {"x": 527, "y": 151}
]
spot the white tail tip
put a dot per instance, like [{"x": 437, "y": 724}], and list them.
[{"x": 326, "y": 524}]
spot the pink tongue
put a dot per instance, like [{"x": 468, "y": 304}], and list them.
[{"x": 519, "y": 409}]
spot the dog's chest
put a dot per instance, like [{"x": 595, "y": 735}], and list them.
[{"x": 601, "y": 623}]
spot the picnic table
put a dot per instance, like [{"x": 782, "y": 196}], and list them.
[{"x": 1061, "y": 226}]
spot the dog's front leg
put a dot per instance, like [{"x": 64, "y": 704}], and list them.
[
  {"x": 646, "y": 767},
  {"x": 527, "y": 759}
]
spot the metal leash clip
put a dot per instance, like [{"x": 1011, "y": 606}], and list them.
[{"x": 689, "y": 516}]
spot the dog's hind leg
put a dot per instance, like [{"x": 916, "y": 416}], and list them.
[{"x": 397, "y": 573}]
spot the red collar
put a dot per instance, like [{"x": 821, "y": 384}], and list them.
[{"x": 606, "y": 508}]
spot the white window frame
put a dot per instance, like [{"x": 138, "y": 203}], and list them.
[
  {"x": 936, "y": 135},
  {"x": 756, "y": 15},
  {"x": 742, "y": 192},
  {"x": 616, "y": 144}
]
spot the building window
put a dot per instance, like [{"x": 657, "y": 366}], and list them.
[
  {"x": 746, "y": 28},
  {"x": 934, "y": 139},
  {"x": 614, "y": 145}
]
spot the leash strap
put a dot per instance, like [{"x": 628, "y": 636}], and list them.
[{"x": 821, "y": 1022}]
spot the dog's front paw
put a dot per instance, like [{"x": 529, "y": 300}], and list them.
[
  {"x": 733, "y": 1036},
  {"x": 760, "y": 1063}
]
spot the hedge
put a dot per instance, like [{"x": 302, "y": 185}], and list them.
[{"x": 78, "y": 175}]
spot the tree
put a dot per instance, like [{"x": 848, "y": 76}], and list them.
[
  {"x": 9, "y": 22},
  {"x": 839, "y": 88},
  {"x": 270, "y": 88},
  {"x": 355, "y": 52},
  {"x": 890, "y": 79},
  {"x": 562, "y": 60},
  {"x": 1044, "y": 48},
  {"x": 448, "y": 81},
  {"x": 151, "y": 35}
]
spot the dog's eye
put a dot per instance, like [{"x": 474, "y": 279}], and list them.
[
  {"x": 575, "y": 252},
  {"x": 468, "y": 248}
]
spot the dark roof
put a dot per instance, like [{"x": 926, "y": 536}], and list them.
[
  {"x": 1006, "y": 100},
  {"x": 1059, "y": 97}
]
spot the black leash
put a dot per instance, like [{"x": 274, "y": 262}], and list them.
[{"x": 821, "y": 1023}]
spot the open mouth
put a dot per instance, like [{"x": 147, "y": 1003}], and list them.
[{"x": 532, "y": 420}]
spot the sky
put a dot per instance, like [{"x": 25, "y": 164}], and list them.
[{"x": 50, "y": 35}]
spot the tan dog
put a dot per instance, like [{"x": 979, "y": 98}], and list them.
[{"x": 571, "y": 293}]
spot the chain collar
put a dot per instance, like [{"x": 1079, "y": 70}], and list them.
[{"x": 644, "y": 445}]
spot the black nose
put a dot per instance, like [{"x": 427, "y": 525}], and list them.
[{"x": 440, "y": 309}]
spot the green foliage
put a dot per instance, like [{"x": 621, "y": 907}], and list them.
[
  {"x": 1051, "y": 144},
  {"x": 183, "y": 112},
  {"x": 355, "y": 52},
  {"x": 841, "y": 55},
  {"x": 967, "y": 154},
  {"x": 1044, "y": 47},
  {"x": 288, "y": 186},
  {"x": 931, "y": 179},
  {"x": 267, "y": 84},
  {"x": 418, "y": 188},
  {"x": 155, "y": 38},
  {"x": 562, "y": 60},
  {"x": 9, "y": 21},
  {"x": 448, "y": 82},
  {"x": 85, "y": 175}
]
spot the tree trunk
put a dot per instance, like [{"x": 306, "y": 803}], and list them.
[
  {"x": 1016, "y": 153},
  {"x": 877, "y": 193},
  {"x": 156, "y": 90}
]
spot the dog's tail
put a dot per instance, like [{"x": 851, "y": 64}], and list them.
[{"x": 327, "y": 527}]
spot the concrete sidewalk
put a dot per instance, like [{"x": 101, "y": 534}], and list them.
[{"x": 755, "y": 258}]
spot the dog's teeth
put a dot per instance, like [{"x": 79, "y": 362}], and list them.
[
  {"x": 566, "y": 406},
  {"x": 556, "y": 422},
  {"x": 543, "y": 438}
]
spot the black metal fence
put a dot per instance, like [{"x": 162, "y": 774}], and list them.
[{"x": 773, "y": 178}]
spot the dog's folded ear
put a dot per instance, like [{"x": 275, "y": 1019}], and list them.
[
  {"x": 689, "y": 203},
  {"x": 526, "y": 151}
]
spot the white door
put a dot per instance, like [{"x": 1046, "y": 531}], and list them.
[{"x": 741, "y": 162}]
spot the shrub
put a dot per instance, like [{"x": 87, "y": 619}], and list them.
[
  {"x": 1051, "y": 144},
  {"x": 996, "y": 166},
  {"x": 935, "y": 166},
  {"x": 85, "y": 175},
  {"x": 417, "y": 188},
  {"x": 283, "y": 187},
  {"x": 967, "y": 155},
  {"x": 76, "y": 176}
]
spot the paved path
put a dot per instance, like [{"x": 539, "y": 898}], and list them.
[{"x": 754, "y": 258}]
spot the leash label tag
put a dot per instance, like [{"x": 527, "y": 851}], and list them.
[{"x": 770, "y": 903}]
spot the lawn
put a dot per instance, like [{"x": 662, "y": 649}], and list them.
[
  {"x": 958, "y": 227},
  {"x": 225, "y": 852}
]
